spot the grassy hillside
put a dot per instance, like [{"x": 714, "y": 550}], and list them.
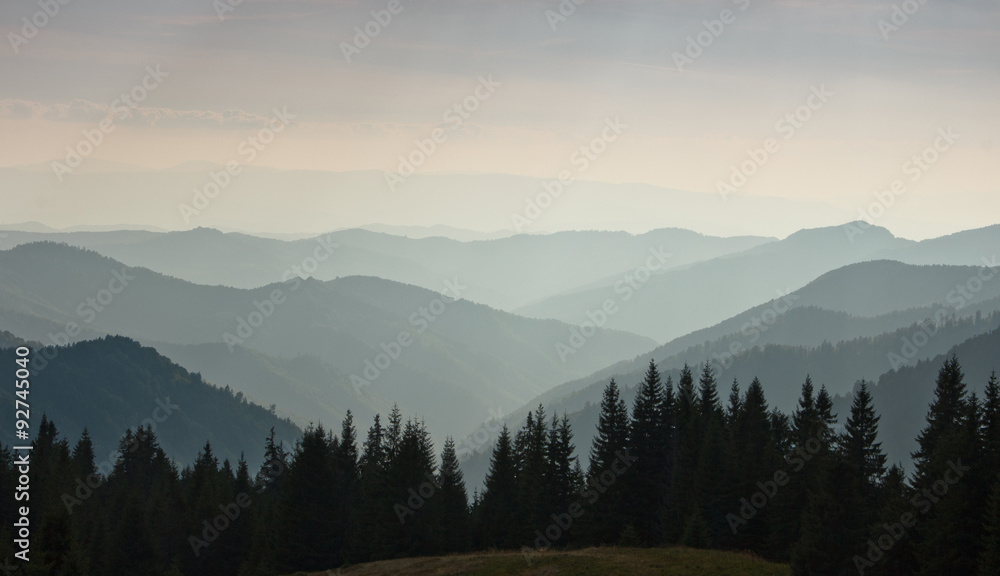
[{"x": 587, "y": 562}]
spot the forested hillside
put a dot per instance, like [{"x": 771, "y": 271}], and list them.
[{"x": 684, "y": 466}]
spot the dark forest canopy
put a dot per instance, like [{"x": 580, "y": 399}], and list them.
[{"x": 684, "y": 465}]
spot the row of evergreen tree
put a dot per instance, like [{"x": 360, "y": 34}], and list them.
[{"x": 683, "y": 468}]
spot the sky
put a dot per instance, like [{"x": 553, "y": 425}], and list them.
[{"x": 819, "y": 102}]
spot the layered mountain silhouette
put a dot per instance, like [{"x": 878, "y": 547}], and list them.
[
  {"x": 394, "y": 341},
  {"x": 114, "y": 384},
  {"x": 681, "y": 301}
]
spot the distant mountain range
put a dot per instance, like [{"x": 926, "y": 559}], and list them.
[
  {"x": 816, "y": 331},
  {"x": 686, "y": 299},
  {"x": 392, "y": 341},
  {"x": 323, "y": 200},
  {"x": 378, "y": 322},
  {"x": 504, "y": 273}
]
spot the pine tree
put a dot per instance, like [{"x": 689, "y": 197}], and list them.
[
  {"x": 454, "y": 504},
  {"x": 833, "y": 527},
  {"x": 989, "y": 559},
  {"x": 895, "y": 506},
  {"x": 347, "y": 453},
  {"x": 991, "y": 428},
  {"x": 497, "y": 510},
  {"x": 560, "y": 478},
  {"x": 708, "y": 526},
  {"x": 309, "y": 538},
  {"x": 530, "y": 452},
  {"x": 670, "y": 506},
  {"x": 735, "y": 404},
  {"x": 275, "y": 464},
  {"x": 684, "y": 468},
  {"x": 645, "y": 479},
  {"x": 808, "y": 436},
  {"x": 950, "y": 522},
  {"x": 393, "y": 432},
  {"x": 606, "y": 517},
  {"x": 827, "y": 420},
  {"x": 413, "y": 484},
  {"x": 372, "y": 515},
  {"x": 265, "y": 514},
  {"x": 83, "y": 456},
  {"x": 861, "y": 449},
  {"x": 755, "y": 460}
]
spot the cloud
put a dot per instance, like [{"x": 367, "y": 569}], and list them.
[{"x": 84, "y": 111}]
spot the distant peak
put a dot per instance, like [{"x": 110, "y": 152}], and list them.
[{"x": 852, "y": 229}]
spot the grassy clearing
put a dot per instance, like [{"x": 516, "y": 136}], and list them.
[{"x": 610, "y": 561}]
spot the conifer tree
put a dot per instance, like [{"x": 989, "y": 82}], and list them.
[
  {"x": 645, "y": 479},
  {"x": 413, "y": 484},
  {"x": 989, "y": 559},
  {"x": 83, "y": 456},
  {"x": 945, "y": 459},
  {"x": 530, "y": 452},
  {"x": 807, "y": 437},
  {"x": 309, "y": 537},
  {"x": 371, "y": 516},
  {"x": 861, "y": 448},
  {"x": 991, "y": 428},
  {"x": 497, "y": 510},
  {"x": 454, "y": 504},
  {"x": 560, "y": 476},
  {"x": 755, "y": 461},
  {"x": 708, "y": 527},
  {"x": 833, "y": 525},
  {"x": 606, "y": 516},
  {"x": 683, "y": 477}
]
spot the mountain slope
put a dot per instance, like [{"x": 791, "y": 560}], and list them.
[
  {"x": 902, "y": 397},
  {"x": 304, "y": 388},
  {"x": 503, "y": 273},
  {"x": 478, "y": 357},
  {"x": 113, "y": 384},
  {"x": 676, "y": 302},
  {"x": 825, "y": 310}
]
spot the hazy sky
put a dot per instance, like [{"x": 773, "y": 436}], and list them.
[{"x": 556, "y": 83}]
